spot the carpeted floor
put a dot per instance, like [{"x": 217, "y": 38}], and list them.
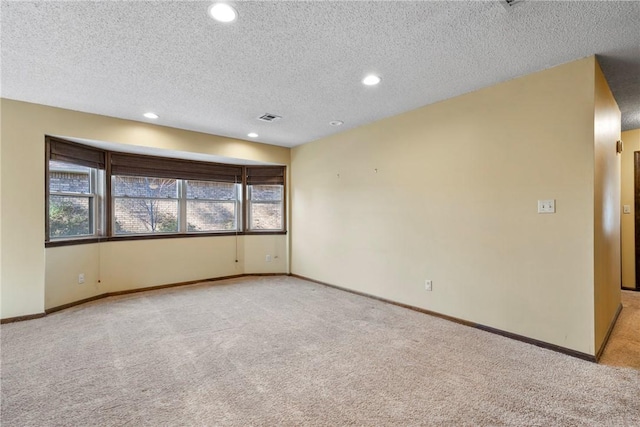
[
  {"x": 279, "y": 351},
  {"x": 623, "y": 348}
]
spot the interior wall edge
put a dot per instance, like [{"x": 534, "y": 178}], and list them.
[
  {"x": 607, "y": 208},
  {"x": 608, "y": 335}
]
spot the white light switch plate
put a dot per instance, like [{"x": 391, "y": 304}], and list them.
[
  {"x": 547, "y": 206},
  {"x": 626, "y": 209}
]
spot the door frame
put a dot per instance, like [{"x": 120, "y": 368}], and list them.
[{"x": 636, "y": 214}]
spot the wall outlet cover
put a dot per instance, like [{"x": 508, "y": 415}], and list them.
[{"x": 547, "y": 206}]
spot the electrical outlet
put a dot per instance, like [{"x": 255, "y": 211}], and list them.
[
  {"x": 81, "y": 278},
  {"x": 626, "y": 209},
  {"x": 267, "y": 258},
  {"x": 547, "y": 206},
  {"x": 428, "y": 285}
]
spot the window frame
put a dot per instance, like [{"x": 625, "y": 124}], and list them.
[
  {"x": 70, "y": 153},
  {"x": 265, "y": 175},
  {"x": 111, "y": 162},
  {"x": 237, "y": 201},
  {"x": 251, "y": 202},
  {"x": 93, "y": 204},
  {"x": 114, "y": 197}
]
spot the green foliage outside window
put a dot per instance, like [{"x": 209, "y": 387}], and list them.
[{"x": 68, "y": 217}]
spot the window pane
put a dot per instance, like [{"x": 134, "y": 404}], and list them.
[
  {"x": 210, "y": 216},
  {"x": 141, "y": 216},
  {"x": 266, "y": 216},
  {"x": 261, "y": 193},
  {"x": 135, "y": 186},
  {"x": 68, "y": 178},
  {"x": 69, "y": 216},
  {"x": 211, "y": 190}
]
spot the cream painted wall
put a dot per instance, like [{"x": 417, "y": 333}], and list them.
[
  {"x": 119, "y": 266},
  {"x": 255, "y": 260},
  {"x": 62, "y": 267},
  {"x": 24, "y": 263},
  {"x": 631, "y": 141},
  {"x": 449, "y": 192},
  {"x": 22, "y": 216},
  {"x": 607, "y": 274}
]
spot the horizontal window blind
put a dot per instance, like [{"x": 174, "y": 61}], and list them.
[
  {"x": 162, "y": 167},
  {"x": 69, "y": 152},
  {"x": 265, "y": 175}
]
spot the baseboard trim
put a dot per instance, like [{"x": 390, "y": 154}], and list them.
[
  {"x": 172, "y": 285},
  {"x": 489, "y": 329},
  {"x": 606, "y": 337},
  {"x": 630, "y": 289},
  {"x": 388, "y": 301},
  {"x": 265, "y": 274},
  {"x": 538, "y": 343},
  {"x": 527, "y": 340},
  {"x": 21, "y": 318},
  {"x": 74, "y": 303},
  {"x": 130, "y": 291},
  {"x": 138, "y": 290}
]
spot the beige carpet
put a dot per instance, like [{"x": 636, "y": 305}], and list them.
[
  {"x": 280, "y": 351},
  {"x": 623, "y": 348}
]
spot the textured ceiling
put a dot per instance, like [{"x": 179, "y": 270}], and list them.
[{"x": 302, "y": 60}]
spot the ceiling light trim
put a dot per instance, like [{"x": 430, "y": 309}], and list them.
[
  {"x": 223, "y": 12},
  {"x": 371, "y": 80}
]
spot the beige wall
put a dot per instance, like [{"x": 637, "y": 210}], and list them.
[
  {"x": 606, "y": 208},
  {"x": 120, "y": 265},
  {"x": 631, "y": 141},
  {"x": 255, "y": 260},
  {"x": 449, "y": 192}
]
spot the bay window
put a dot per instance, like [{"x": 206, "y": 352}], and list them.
[{"x": 98, "y": 194}]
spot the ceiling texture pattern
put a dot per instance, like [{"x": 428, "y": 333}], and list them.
[{"x": 302, "y": 60}]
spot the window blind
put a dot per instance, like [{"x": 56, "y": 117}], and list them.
[
  {"x": 69, "y": 152},
  {"x": 265, "y": 175},
  {"x": 163, "y": 167}
]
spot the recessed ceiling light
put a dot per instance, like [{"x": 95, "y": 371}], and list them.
[
  {"x": 371, "y": 80},
  {"x": 252, "y": 135},
  {"x": 223, "y": 12},
  {"x": 151, "y": 115},
  {"x": 336, "y": 123}
]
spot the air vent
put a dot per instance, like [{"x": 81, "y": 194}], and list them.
[
  {"x": 510, "y": 3},
  {"x": 268, "y": 117}
]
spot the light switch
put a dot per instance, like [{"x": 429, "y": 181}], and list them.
[
  {"x": 547, "y": 206},
  {"x": 626, "y": 209}
]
